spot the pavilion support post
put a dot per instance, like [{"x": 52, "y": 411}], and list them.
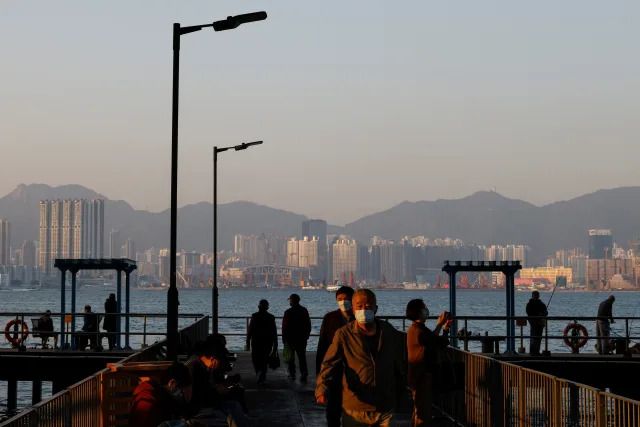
[
  {"x": 126, "y": 320},
  {"x": 62, "y": 306},
  {"x": 74, "y": 274},
  {"x": 119, "y": 307}
]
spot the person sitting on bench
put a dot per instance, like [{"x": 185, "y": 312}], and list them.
[
  {"x": 90, "y": 329},
  {"x": 45, "y": 329}
]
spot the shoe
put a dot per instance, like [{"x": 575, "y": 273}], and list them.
[{"x": 303, "y": 378}]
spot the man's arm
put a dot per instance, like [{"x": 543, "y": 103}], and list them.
[
  {"x": 330, "y": 367},
  {"x": 248, "y": 343},
  {"x": 274, "y": 333}
]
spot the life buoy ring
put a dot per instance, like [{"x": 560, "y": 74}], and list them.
[
  {"x": 572, "y": 332},
  {"x": 8, "y": 332}
]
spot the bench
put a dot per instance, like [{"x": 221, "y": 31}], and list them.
[{"x": 43, "y": 335}]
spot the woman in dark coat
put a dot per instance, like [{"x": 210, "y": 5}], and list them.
[{"x": 109, "y": 322}]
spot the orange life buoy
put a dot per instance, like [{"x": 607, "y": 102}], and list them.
[
  {"x": 8, "y": 333},
  {"x": 571, "y": 332}
]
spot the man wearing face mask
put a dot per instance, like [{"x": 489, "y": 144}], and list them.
[
  {"x": 156, "y": 402},
  {"x": 296, "y": 329},
  {"x": 423, "y": 346},
  {"x": 331, "y": 322},
  {"x": 368, "y": 357}
]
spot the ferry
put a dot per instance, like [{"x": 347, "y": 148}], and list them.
[
  {"x": 414, "y": 286},
  {"x": 333, "y": 288}
]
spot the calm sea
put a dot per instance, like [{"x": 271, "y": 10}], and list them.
[{"x": 390, "y": 303}]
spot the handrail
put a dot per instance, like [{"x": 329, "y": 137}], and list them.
[
  {"x": 79, "y": 404},
  {"x": 494, "y": 392}
]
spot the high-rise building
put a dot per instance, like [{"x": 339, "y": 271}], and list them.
[
  {"x": 318, "y": 228},
  {"x": 600, "y": 243},
  {"x": 252, "y": 249},
  {"x": 345, "y": 259},
  {"x": 308, "y": 252},
  {"x": 128, "y": 250},
  {"x": 292, "y": 252},
  {"x": 70, "y": 229},
  {"x": 391, "y": 268},
  {"x": 29, "y": 253},
  {"x": 114, "y": 244},
  {"x": 5, "y": 242}
]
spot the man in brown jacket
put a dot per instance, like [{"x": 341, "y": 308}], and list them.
[{"x": 369, "y": 355}]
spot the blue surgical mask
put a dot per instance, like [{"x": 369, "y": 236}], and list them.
[
  {"x": 365, "y": 316},
  {"x": 177, "y": 393},
  {"x": 345, "y": 305}
]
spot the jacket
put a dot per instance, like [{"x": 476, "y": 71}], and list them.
[
  {"x": 535, "y": 307},
  {"x": 151, "y": 405},
  {"x": 423, "y": 348},
  {"x": 296, "y": 325},
  {"x": 262, "y": 331},
  {"x": 368, "y": 384},
  {"x": 90, "y": 322},
  {"x": 605, "y": 310},
  {"x": 109, "y": 322},
  {"x": 331, "y": 322}
]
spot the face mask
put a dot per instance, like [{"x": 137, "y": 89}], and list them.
[
  {"x": 345, "y": 305},
  {"x": 425, "y": 314},
  {"x": 177, "y": 394},
  {"x": 365, "y": 316}
]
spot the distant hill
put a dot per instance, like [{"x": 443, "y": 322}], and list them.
[
  {"x": 489, "y": 218},
  {"x": 151, "y": 229},
  {"x": 482, "y": 218}
]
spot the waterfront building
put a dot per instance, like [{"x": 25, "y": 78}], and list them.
[
  {"x": 549, "y": 273},
  {"x": 391, "y": 268},
  {"x": 345, "y": 259},
  {"x": 115, "y": 244},
  {"x": 600, "y": 243},
  {"x": 29, "y": 253},
  {"x": 292, "y": 252}
]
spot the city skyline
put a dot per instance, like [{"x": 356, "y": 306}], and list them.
[{"x": 394, "y": 98}]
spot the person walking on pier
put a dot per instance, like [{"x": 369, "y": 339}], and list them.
[
  {"x": 296, "y": 329},
  {"x": 367, "y": 356},
  {"x": 109, "y": 322},
  {"x": 262, "y": 339},
  {"x": 535, "y": 308},
  {"x": 331, "y": 322},
  {"x": 423, "y": 348},
  {"x": 603, "y": 327}
]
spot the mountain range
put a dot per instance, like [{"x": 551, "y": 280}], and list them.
[{"x": 481, "y": 218}]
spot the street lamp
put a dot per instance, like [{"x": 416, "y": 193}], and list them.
[
  {"x": 214, "y": 291},
  {"x": 172, "y": 297}
]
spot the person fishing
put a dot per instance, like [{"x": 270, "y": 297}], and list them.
[{"x": 536, "y": 309}]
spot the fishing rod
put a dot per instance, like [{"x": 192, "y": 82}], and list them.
[{"x": 551, "y": 297}]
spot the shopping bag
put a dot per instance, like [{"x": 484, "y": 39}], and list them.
[
  {"x": 274, "y": 360},
  {"x": 287, "y": 354}
]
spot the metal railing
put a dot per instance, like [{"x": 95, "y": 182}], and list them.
[
  {"x": 495, "y": 393},
  {"x": 99, "y": 335},
  {"x": 237, "y": 326},
  {"x": 80, "y": 404}
]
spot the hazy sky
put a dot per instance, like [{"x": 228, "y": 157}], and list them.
[{"x": 361, "y": 104}]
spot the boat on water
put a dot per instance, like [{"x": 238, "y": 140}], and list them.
[
  {"x": 414, "y": 286},
  {"x": 333, "y": 288}
]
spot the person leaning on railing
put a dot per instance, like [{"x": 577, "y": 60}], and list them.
[{"x": 423, "y": 348}]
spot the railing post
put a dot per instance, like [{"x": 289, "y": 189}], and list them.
[
  {"x": 557, "y": 403},
  {"x": 522, "y": 398},
  {"x": 626, "y": 327},
  {"x": 144, "y": 332},
  {"x": 601, "y": 410},
  {"x": 546, "y": 351},
  {"x": 466, "y": 336},
  {"x": 404, "y": 326}
]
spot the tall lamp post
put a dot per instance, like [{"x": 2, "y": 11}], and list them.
[
  {"x": 172, "y": 297},
  {"x": 214, "y": 290}
]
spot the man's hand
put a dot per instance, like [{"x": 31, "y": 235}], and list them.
[
  {"x": 322, "y": 400},
  {"x": 447, "y": 324}
]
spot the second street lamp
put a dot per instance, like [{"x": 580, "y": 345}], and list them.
[
  {"x": 172, "y": 296},
  {"x": 214, "y": 290}
]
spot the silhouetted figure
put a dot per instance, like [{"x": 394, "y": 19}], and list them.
[
  {"x": 296, "y": 328},
  {"x": 603, "y": 327},
  {"x": 367, "y": 357},
  {"x": 331, "y": 322},
  {"x": 45, "y": 329},
  {"x": 262, "y": 339},
  {"x": 535, "y": 307},
  {"x": 423, "y": 350},
  {"x": 90, "y": 329},
  {"x": 109, "y": 322}
]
